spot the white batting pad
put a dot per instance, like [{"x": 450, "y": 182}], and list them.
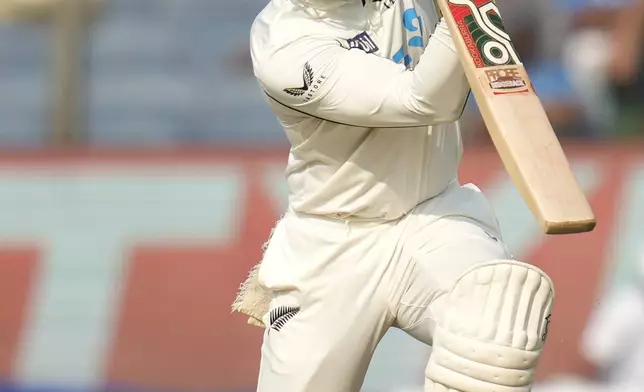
[{"x": 490, "y": 337}]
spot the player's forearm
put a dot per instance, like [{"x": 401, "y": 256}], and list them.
[
  {"x": 433, "y": 93},
  {"x": 362, "y": 89},
  {"x": 438, "y": 86}
]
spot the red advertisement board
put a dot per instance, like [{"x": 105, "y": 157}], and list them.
[{"x": 168, "y": 318}]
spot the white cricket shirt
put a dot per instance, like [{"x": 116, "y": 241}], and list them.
[{"x": 368, "y": 96}]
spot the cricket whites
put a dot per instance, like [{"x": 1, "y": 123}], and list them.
[{"x": 515, "y": 117}]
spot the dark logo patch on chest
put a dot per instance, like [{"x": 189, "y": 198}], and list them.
[
  {"x": 363, "y": 42},
  {"x": 386, "y": 3}
]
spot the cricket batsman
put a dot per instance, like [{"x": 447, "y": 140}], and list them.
[{"x": 379, "y": 232}]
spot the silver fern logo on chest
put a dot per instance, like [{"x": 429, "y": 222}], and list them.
[{"x": 363, "y": 42}]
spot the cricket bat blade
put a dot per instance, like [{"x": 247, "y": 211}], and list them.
[{"x": 515, "y": 117}]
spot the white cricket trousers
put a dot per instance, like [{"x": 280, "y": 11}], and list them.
[{"x": 338, "y": 286}]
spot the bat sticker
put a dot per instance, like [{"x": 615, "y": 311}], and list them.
[{"x": 506, "y": 80}]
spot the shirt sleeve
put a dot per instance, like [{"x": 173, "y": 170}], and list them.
[{"x": 319, "y": 77}]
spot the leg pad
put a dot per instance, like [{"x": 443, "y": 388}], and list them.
[{"x": 490, "y": 337}]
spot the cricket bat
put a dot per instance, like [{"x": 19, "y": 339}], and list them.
[{"x": 515, "y": 117}]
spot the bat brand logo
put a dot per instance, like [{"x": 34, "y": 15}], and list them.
[
  {"x": 480, "y": 23},
  {"x": 506, "y": 79},
  {"x": 310, "y": 84}
]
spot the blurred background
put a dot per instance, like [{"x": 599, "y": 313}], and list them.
[{"x": 141, "y": 172}]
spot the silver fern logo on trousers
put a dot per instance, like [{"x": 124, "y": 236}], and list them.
[
  {"x": 280, "y": 315},
  {"x": 310, "y": 84}
]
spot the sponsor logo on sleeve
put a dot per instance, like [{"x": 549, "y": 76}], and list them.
[{"x": 310, "y": 84}]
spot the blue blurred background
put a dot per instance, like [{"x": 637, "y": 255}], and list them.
[{"x": 163, "y": 72}]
